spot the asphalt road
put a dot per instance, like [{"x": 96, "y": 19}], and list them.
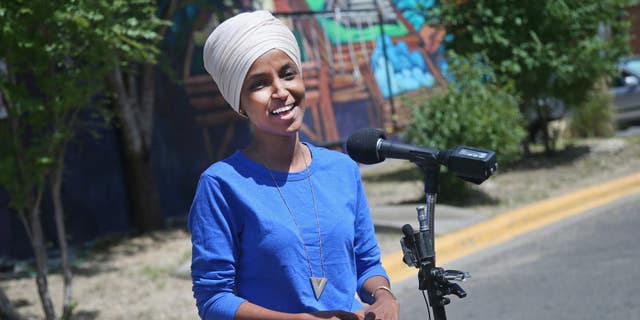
[{"x": 585, "y": 267}]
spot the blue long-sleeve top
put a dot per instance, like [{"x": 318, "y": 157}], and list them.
[{"x": 246, "y": 246}]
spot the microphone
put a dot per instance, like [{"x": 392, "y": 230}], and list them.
[{"x": 369, "y": 146}]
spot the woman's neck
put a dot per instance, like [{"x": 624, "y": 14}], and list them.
[{"x": 284, "y": 154}]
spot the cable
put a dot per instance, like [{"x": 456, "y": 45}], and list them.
[{"x": 427, "y": 304}]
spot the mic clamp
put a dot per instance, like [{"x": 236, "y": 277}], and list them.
[{"x": 418, "y": 251}]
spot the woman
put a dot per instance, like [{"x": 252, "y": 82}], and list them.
[{"x": 280, "y": 229}]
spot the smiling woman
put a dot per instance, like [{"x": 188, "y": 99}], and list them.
[{"x": 280, "y": 229}]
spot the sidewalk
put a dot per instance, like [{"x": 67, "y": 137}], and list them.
[{"x": 447, "y": 218}]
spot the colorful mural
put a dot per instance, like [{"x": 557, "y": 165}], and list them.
[
  {"x": 407, "y": 68},
  {"x": 355, "y": 53}
]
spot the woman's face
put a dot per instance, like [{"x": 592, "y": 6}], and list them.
[{"x": 273, "y": 94}]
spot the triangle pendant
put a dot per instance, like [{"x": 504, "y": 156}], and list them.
[{"x": 318, "y": 286}]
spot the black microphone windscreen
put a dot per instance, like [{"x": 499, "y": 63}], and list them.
[{"x": 362, "y": 145}]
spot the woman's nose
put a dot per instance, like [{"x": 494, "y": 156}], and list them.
[{"x": 279, "y": 90}]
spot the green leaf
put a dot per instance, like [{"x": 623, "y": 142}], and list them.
[
  {"x": 133, "y": 22},
  {"x": 44, "y": 160},
  {"x": 518, "y": 21},
  {"x": 81, "y": 21},
  {"x": 25, "y": 11}
]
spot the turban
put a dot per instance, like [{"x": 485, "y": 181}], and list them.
[{"x": 238, "y": 42}]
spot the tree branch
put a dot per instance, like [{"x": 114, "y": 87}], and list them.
[
  {"x": 56, "y": 197},
  {"x": 148, "y": 101},
  {"x": 125, "y": 111},
  {"x": 171, "y": 9}
]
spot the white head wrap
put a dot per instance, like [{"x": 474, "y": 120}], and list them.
[{"x": 238, "y": 42}]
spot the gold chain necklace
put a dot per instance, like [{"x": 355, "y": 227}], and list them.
[{"x": 317, "y": 283}]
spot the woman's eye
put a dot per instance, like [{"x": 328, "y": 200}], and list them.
[
  {"x": 289, "y": 75},
  {"x": 258, "y": 84}
]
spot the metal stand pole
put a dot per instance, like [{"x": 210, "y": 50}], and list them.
[{"x": 419, "y": 250}]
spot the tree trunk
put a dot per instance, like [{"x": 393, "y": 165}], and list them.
[
  {"x": 40, "y": 254},
  {"x": 6, "y": 309},
  {"x": 539, "y": 125},
  {"x": 135, "y": 99},
  {"x": 56, "y": 185},
  {"x": 134, "y": 107},
  {"x": 545, "y": 114},
  {"x": 141, "y": 184}
]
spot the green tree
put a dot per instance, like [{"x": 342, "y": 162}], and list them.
[
  {"x": 555, "y": 49},
  {"x": 132, "y": 82},
  {"x": 57, "y": 56},
  {"x": 49, "y": 78}
]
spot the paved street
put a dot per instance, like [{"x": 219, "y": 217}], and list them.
[{"x": 585, "y": 267}]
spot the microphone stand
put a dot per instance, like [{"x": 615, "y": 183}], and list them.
[
  {"x": 419, "y": 251},
  {"x": 470, "y": 164}
]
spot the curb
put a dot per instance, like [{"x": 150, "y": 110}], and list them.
[{"x": 509, "y": 225}]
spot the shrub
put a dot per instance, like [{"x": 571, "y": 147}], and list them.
[
  {"x": 474, "y": 111},
  {"x": 594, "y": 118}
]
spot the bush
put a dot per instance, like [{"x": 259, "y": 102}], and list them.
[
  {"x": 474, "y": 111},
  {"x": 594, "y": 118}
]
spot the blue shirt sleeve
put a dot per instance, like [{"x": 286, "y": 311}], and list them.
[
  {"x": 367, "y": 252},
  {"x": 214, "y": 239}
]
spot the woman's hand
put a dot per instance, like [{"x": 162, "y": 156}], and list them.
[{"x": 385, "y": 308}]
